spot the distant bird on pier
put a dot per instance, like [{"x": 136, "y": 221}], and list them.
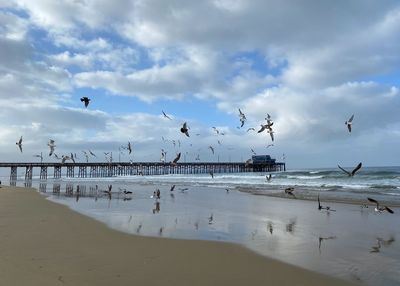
[
  {"x": 380, "y": 209},
  {"x": 51, "y": 145},
  {"x": 211, "y": 148},
  {"x": 352, "y": 172},
  {"x": 85, "y": 100},
  {"x": 185, "y": 129},
  {"x": 19, "y": 143},
  {"x": 165, "y": 115},
  {"x": 242, "y": 118},
  {"x": 178, "y": 156},
  {"x": 349, "y": 123},
  {"x": 129, "y": 147}
]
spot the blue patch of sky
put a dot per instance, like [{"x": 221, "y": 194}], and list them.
[
  {"x": 13, "y": 10},
  {"x": 258, "y": 63},
  {"x": 392, "y": 78}
]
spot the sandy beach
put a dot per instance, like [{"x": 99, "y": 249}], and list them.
[{"x": 43, "y": 243}]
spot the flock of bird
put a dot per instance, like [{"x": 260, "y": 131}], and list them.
[{"x": 184, "y": 129}]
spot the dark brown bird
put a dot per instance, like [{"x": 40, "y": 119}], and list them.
[
  {"x": 352, "y": 172},
  {"x": 85, "y": 100},
  {"x": 178, "y": 156},
  {"x": 185, "y": 129}
]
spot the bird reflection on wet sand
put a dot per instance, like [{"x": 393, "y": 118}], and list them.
[
  {"x": 379, "y": 242},
  {"x": 290, "y": 226},
  {"x": 321, "y": 238},
  {"x": 156, "y": 208}
]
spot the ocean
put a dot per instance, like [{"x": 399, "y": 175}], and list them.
[{"x": 352, "y": 242}]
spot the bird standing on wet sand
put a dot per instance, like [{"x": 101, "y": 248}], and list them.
[
  {"x": 380, "y": 209},
  {"x": 185, "y": 129},
  {"x": 320, "y": 207},
  {"x": 86, "y": 100},
  {"x": 210, "y": 219},
  {"x": 352, "y": 172},
  {"x": 19, "y": 143},
  {"x": 349, "y": 123}
]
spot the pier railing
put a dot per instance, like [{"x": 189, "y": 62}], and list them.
[{"x": 96, "y": 170}]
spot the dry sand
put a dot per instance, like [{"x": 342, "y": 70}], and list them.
[{"x": 43, "y": 243}]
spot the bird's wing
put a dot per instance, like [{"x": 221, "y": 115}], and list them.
[
  {"x": 347, "y": 172},
  {"x": 240, "y": 112},
  {"x": 356, "y": 169},
  {"x": 349, "y": 127},
  {"x": 51, "y": 150},
  {"x": 20, "y": 140},
  {"x": 374, "y": 201},
  {"x": 351, "y": 118},
  {"x": 20, "y": 147},
  {"x": 272, "y": 136},
  {"x": 184, "y": 125},
  {"x": 262, "y": 129},
  {"x": 389, "y": 210},
  {"x": 177, "y": 158}
]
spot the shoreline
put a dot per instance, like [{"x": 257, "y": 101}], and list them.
[{"x": 51, "y": 244}]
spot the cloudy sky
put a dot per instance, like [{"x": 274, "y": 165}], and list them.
[{"x": 309, "y": 64}]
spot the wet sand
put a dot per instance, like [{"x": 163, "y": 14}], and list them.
[{"x": 43, "y": 243}]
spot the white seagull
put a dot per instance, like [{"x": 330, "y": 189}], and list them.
[{"x": 349, "y": 123}]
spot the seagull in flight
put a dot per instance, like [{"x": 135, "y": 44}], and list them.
[
  {"x": 265, "y": 126},
  {"x": 242, "y": 118},
  {"x": 91, "y": 153},
  {"x": 178, "y": 156},
  {"x": 378, "y": 208},
  {"x": 269, "y": 177},
  {"x": 86, "y": 100},
  {"x": 165, "y": 115},
  {"x": 349, "y": 123},
  {"x": 129, "y": 147},
  {"x": 251, "y": 128},
  {"x": 19, "y": 143},
  {"x": 51, "y": 145},
  {"x": 211, "y": 148},
  {"x": 352, "y": 172},
  {"x": 185, "y": 129}
]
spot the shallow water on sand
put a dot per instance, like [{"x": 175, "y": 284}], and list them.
[{"x": 353, "y": 243}]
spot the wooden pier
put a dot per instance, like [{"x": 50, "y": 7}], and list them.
[{"x": 98, "y": 170}]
